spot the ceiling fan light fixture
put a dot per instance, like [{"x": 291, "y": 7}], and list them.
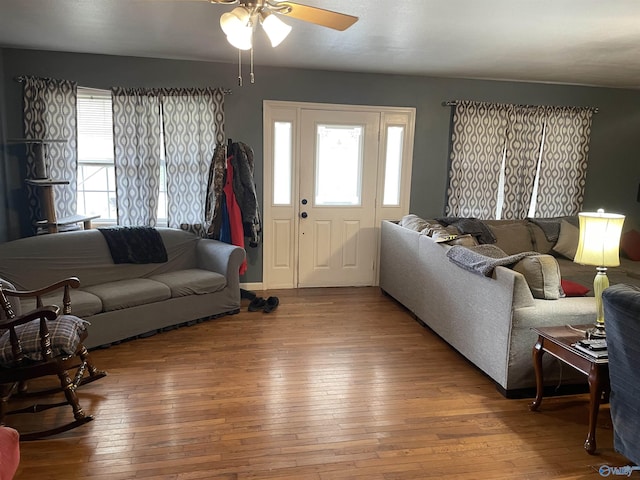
[
  {"x": 237, "y": 25},
  {"x": 275, "y": 28},
  {"x": 242, "y": 38}
]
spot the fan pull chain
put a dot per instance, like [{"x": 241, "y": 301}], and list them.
[
  {"x": 239, "y": 67},
  {"x": 253, "y": 79}
]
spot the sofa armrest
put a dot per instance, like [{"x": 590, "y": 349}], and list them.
[
  {"x": 522, "y": 296},
  {"x": 222, "y": 258}
]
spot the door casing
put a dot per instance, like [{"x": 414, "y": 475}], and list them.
[{"x": 281, "y": 221}]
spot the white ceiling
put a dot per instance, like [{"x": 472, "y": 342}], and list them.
[{"x": 588, "y": 42}]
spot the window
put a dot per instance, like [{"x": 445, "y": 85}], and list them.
[
  {"x": 393, "y": 165},
  {"x": 96, "y": 175},
  {"x": 339, "y": 149},
  {"x": 282, "y": 162},
  {"x": 96, "y": 190}
]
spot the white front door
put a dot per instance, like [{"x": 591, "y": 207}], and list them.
[
  {"x": 332, "y": 173},
  {"x": 337, "y": 194}
]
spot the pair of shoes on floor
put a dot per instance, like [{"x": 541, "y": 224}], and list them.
[{"x": 267, "y": 306}]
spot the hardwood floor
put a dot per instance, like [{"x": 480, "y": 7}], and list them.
[{"x": 334, "y": 384}]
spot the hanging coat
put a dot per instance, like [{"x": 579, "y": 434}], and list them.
[
  {"x": 235, "y": 217},
  {"x": 241, "y": 156},
  {"x": 213, "y": 205}
]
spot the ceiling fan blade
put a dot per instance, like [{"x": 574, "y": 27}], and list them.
[{"x": 319, "y": 16}]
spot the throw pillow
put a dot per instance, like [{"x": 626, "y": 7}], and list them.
[
  {"x": 630, "y": 244},
  {"x": 573, "y": 289},
  {"x": 414, "y": 222},
  {"x": 65, "y": 333},
  {"x": 512, "y": 237},
  {"x": 542, "y": 274},
  {"x": 567, "y": 243}
]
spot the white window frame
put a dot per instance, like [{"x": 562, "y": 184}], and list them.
[{"x": 89, "y": 93}]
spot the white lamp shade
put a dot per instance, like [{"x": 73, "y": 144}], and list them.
[
  {"x": 275, "y": 29},
  {"x": 599, "y": 239}
]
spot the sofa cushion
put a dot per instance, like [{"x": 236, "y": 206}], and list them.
[
  {"x": 512, "y": 237},
  {"x": 542, "y": 274},
  {"x": 191, "y": 281},
  {"x": 541, "y": 242},
  {"x": 567, "y": 243},
  {"x": 65, "y": 334},
  {"x": 83, "y": 304},
  {"x": 129, "y": 293}
]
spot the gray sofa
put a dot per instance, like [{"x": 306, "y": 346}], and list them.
[
  {"x": 198, "y": 280},
  {"x": 489, "y": 319}
]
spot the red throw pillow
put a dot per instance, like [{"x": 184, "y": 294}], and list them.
[
  {"x": 573, "y": 289},
  {"x": 630, "y": 244}
]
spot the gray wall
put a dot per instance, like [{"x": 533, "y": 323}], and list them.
[{"x": 614, "y": 169}]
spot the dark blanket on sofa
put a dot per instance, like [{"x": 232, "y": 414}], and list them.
[
  {"x": 135, "y": 244},
  {"x": 482, "y": 259},
  {"x": 471, "y": 226}
]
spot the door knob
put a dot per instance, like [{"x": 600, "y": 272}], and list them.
[{"x": 304, "y": 215}]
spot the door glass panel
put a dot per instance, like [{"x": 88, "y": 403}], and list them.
[
  {"x": 393, "y": 165},
  {"x": 339, "y": 150},
  {"x": 282, "y": 160}
]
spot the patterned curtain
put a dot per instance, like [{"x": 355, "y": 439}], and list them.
[
  {"x": 50, "y": 113},
  {"x": 136, "y": 138},
  {"x": 521, "y": 159},
  {"x": 549, "y": 144},
  {"x": 563, "y": 167},
  {"x": 193, "y": 126},
  {"x": 479, "y": 136}
]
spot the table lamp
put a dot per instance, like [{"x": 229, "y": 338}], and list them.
[{"x": 598, "y": 245}]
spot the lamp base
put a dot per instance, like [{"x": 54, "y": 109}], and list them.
[{"x": 596, "y": 332}]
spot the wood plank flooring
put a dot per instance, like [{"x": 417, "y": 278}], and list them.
[{"x": 335, "y": 384}]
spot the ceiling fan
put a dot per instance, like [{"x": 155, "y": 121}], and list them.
[{"x": 240, "y": 23}]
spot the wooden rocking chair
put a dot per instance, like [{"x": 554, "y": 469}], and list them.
[{"x": 43, "y": 343}]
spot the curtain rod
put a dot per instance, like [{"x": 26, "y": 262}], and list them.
[
  {"x": 453, "y": 103},
  {"x": 22, "y": 78}
]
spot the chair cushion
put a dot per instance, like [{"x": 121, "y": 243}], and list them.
[
  {"x": 66, "y": 332},
  {"x": 9, "y": 452}
]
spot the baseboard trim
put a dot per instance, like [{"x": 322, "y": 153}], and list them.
[{"x": 259, "y": 286}]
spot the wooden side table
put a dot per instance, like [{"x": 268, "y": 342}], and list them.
[{"x": 558, "y": 341}]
